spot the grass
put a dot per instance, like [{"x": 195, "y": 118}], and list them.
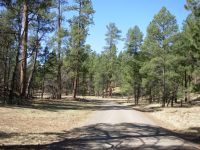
[
  {"x": 183, "y": 120},
  {"x": 41, "y": 122}
]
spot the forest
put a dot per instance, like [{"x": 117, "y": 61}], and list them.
[{"x": 43, "y": 51}]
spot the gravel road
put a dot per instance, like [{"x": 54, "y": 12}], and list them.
[
  {"x": 129, "y": 129},
  {"x": 117, "y": 127}
]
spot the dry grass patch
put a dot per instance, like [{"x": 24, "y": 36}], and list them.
[
  {"x": 184, "y": 120},
  {"x": 40, "y": 123}
]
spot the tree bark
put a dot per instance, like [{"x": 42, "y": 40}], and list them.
[
  {"x": 44, "y": 71},
  {"x": 75, "y": 86},
  {"x": 90, "y": 88},
  {"x": 150, "y": 95},
  {"x": 14, "y": 74},
  {"x": 186, "y": 86},
  {"x": 110, "y": 88},
  {"x": 138, "y": 94},
  {"x": 31, "y": 76},
  {"x": 59, "y": 88},
  {"x": 59, "y": 91},
  {"x": 164, "y": 88},
  {"x": 42, "y": 94},
  {"x": 5, "y": 86},
  {"x": 24, "y": 49}
]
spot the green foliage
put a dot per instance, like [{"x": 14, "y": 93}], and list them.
[
  {"x": 100, "y": 77},
  {"x": 134, "y": 40},
  {"x": 165, "y": 66},
  {"x": 112, "y": 35},
  {"x": 78, "y": 51},
  {"x": 107, "y": 68},
  {"x": 157, "y": 49},
  {"x": 131, "y": 63}
]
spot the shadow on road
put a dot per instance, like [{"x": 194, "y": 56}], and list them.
[
  {"x": 53, "y": 105},
  {"x": 122, "y": 136}
]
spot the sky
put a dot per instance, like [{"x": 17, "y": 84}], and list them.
[{"x": 126, "y": 14}]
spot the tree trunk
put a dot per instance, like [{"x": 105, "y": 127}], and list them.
[
  {"x": 90, "y": 85},
  {"x": 9, "y": 70},
  {"x": 42, "y": 94},
  {"x": 138, "y": 94},
  {"x": 5, "y": 77},
  {"x": 110, "y": 89},
  {"x": 189, "y": 84},
  {"x": 135, "y": 95},
  {"x": 150, "y": 95},
  {"x": 24, "y": 49},
  {"x": 181, "y": 102},
  {"x": 173, "y": 98},
  {"x": 59, "y": 89},
  {"x": 30, "y": 80},
  {"x": 186, "y": 86},
  {"x": 43, "y": 79},
  {"x": 59, "y": 92},
  {"x": 44, "y": 71},
  {"x": 75, "y": 86},
  {"x": 84, "y": 85},
  {"x": 164, "y": 88},
  {"x": 14, "y": 74},
  {"x": 13, "y": 79}
]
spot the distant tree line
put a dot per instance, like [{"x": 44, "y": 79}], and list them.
[{"x": 42, "y": 50}]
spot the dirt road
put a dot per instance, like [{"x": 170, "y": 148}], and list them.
[{"x": 117, "y": 127}]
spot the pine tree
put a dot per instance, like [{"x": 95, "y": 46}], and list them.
[
  {"x": 110, "y": 52},
  {"x": 134, "y": 40},
  {"x": 7, "y": 52},
  {"x": 131, "y": 63},
  {"x": 100, "y": 76},
  {"x": 40, "y": 27},
  {"x": 192, "y": 31},
  {"x": 79, "y": 29},
  {"x": 24, "y": 48},
  {"x": 193, "y": 21},
  {"x": 157, "y": 48}
]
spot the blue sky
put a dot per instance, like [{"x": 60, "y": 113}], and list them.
[{"x": 126, "y": 14}]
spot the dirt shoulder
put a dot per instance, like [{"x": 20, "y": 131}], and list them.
[
  {"x": 42, "y": 122},
  {"x": 183, "y": 121}
]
